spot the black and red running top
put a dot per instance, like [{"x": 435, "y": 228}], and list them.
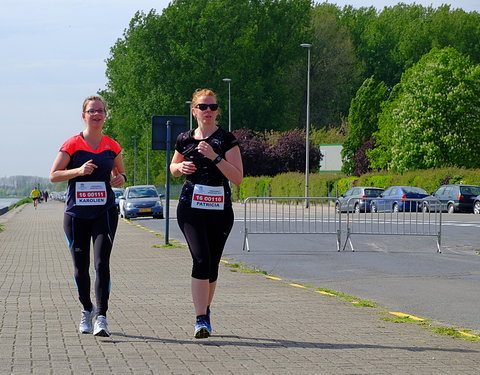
[{"x": 91, "y": 195}]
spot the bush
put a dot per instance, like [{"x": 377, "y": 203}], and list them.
[
  {"x": 333, "y": 184},
  {"x": 278, "y": 153}
]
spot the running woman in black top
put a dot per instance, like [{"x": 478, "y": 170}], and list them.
[
  {"x": 209, "y": 157},
  {"x": 92, "y": 163}
]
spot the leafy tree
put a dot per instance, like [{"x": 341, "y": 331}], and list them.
[
  {"x": 162, "y": 59},
  {"x": 433, "y": 120},
  {"x": 362, "y": 120},
  {"x": 289, "y": 152},
  {"x": 329, "y": 135},
  {"x": 276, "y": 152},
  {"x": 362, "y": 164},
  {"x": 333, "y": 71},
  {"x": 256, "y": 156},
  {"x": 392, "y": 40}
]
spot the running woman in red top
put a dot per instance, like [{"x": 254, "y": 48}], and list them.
[{"x": 92, "y": 164}]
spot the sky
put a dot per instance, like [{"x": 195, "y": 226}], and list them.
[{"x": 52, "y": 56}]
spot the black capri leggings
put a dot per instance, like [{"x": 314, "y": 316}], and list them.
[
  {"x": 206, "y": 232},
  {"x": 79, "y": 233}
]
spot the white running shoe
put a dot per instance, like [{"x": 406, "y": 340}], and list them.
[
  {"x": 86, "y": 325},
  {"x": 101, "y": 327}
]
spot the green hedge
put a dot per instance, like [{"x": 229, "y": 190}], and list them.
[{"x": 335, "y": 184}]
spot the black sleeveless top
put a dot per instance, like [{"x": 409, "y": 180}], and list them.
[{"x": 207, "y": 173}]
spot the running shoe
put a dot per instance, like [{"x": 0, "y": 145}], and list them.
[
  {"x": 209, "y": 326},
  {"x": 201, "y": 327},
  {"x": 101, "y": 327},
  {"x": 86, "y": 325}
]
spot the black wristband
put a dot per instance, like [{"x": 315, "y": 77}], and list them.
[
  {"x": 124, "y": 176},
  {"x": 217, "y": 160}
]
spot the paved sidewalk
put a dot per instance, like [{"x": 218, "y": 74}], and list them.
[{"x": 261, "y": 326}]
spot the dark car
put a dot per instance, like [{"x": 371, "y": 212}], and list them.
[
  {"x": 476, "y": 205},
  {"x": 140, "y": 201},
  {"x": 354, "y": 198},
  {"x": 399, "y": 198},
  {"x": 118, "y": 193},
  {"x": 452, "y": 198}
]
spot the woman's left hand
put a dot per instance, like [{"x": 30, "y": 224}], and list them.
[
  {"x": 118, "y": 180},
  {"x": 206, "y": 150}
]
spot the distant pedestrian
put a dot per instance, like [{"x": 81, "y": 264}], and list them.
[
  {"x": 45, "y": 196},
  {"x": 91, "y": 163},
  {"x": 209, "y": 157},
  {"x": 35, "y": 195}
]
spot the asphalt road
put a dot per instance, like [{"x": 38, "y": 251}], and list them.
[{"x": 403, "y": 274}]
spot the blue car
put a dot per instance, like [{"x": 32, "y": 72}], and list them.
[
  {"x": 118, "y": 193},
  {"x": 395, "y": 199},
  {"x": 141, "y": 201}
]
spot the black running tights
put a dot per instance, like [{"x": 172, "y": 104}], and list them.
[
  {"x": 80, "y": 232},
  {"x": 206, "y": 232}
]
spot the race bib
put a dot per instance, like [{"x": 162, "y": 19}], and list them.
[
  {"x": 91, "y": 193},
  {"x": 208, "y": 197}
]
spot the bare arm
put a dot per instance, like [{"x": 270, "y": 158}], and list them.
[
  {"x": 180, "y": 166},
  {"x": 231, "y": 166},
  {"x": 59, "y": 172},
  {"x": 118, "y": 179}
]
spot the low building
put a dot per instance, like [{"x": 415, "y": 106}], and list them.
[{"x": 332, "y": 157}]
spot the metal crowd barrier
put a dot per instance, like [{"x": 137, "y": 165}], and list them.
[
  {"x": 292, "y": 215},
  {"x": 319, "y": 216},
  {"x": 405, "y": 217}
]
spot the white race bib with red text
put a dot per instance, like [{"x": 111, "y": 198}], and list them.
[
  {"x": 208, "y": 197},
  {"x": 90, "y": 193}
]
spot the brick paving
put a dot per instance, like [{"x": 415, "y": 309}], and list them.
[{"x": 261, "y": 326}]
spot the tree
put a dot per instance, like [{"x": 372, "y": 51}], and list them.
[
  {"x": 276, "y": 152},
  {"x": 362, "y": 120},
  {"x": 433, "y": 120},
  {"x": 289, "y": 152},
  {"x": 162, "y": 59},
  {"x": 362, "y": 164},
  {"x": 392, "y": 40},
  {"x": 256, "y": 156},
  {"x": 333, "y": 71}
]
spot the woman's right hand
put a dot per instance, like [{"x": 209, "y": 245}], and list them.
[
  {"x": 187, "y": 167},
  {"x": 87, "y": 168}
]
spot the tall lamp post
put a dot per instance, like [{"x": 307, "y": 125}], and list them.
[
  {"x": 147, "y": 147},
  {"x": 307, "y": 128},
  {"x": 135, "y": 137},
  {"x": 189, "y": 102},
  {"x": 228, "y": 80}
]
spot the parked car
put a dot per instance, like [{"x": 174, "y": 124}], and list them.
[
  {"x": 140, "y": 201},
  {"x": 393, "y": 199},
  {"x": 354, "y": 199},
  {"x": 118, "y": 193},
  {"x": 452, "y": 198},
  {"x": 476, "y": 205}
]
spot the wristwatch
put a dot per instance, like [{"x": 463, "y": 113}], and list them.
[{"x": 217, "y": 160}]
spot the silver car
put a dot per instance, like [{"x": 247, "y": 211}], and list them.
[
  {"x": 141, "y": 201},
  {"x": 354, "y": 199}
]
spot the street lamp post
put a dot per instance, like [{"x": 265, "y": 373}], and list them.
[
  {"x": 228, "y": 80},
  {"x": 189, "y": 102},
  {"x": 135, "y": 137},
  {"x": 147, "y": 146},
  {"x": 307, "y": 128}
]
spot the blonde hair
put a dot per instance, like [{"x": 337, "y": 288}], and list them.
[{"x": 93, "y": 98}]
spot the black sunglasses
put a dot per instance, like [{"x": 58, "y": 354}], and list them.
[{"x": 203, "y": 107}]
